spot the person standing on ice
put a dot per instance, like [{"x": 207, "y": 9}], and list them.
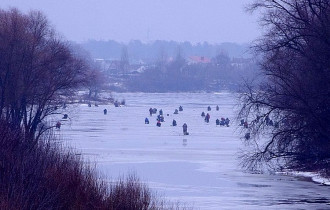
[
  {"x": 185, "y": 128},
  {"x": 146, "y": 121},
  {"x": 174, "y": 123},
  {"x": 58, "y": 125},
  {"x": 207, "y": 117},
  {"x": 203, "y": 114}
]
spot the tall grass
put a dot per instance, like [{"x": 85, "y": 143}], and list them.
[{"x": 46, "y": 176}]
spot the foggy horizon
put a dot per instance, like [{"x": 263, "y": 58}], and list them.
[{"x": 193, "y": 21}]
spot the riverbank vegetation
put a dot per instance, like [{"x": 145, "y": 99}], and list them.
[
  {"x": 295, "y": 94},
  {"x": 47, "y": 176},
  {"x": 38, "y": 71}
]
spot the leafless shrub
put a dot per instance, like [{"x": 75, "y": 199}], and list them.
[
  {"x": 296, "y": 54},
  {"x": 47, "y": 176},
  {"x": 37, "y": 69}
]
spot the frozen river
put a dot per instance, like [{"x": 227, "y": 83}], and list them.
[{"x": 200, "y": 169}]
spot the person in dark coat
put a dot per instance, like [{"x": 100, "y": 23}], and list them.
[
  {"x": 176, "y": 111},
  {"x": 207, "y": 118},
  {"x": 227, "y": 122},
  {"x": 180, "y": 109},
  {"x": 58, "y": 125},
  {"x": 223, "y": 121},
  {"x": 267, "y": 119},
  {"x": 174, "y": 123},
  {"x": 150, "y": 111},
  {"x": 247, "y": 136},
  {"x": 217, "y": 122},
  {"x": 217, "y": 108},
  {"x": 105, "y": 111},
  {"x": 258, "y": 118},
  {"x": 208, "y": 108},
  {"x": 270, "y": 123},
  {"x": 158, "y": 123},
  {"x": 203, "y": 114},
  {"x": 185, "y": 129},
  {"x": 146, "y": 121}
]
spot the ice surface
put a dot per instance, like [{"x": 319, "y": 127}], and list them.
[{"x": 200, "y": 169}]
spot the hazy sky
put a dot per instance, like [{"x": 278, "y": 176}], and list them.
[{"x": 214, "y": 21}]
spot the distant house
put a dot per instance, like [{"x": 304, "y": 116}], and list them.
[
  {"x": 114, "y": 67},
  {"x": 198, "y": 60},
  {"x": 240, "y": 62}
]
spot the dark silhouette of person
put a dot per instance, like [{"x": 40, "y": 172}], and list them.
[
  {"x": 58, "y": 125},
  {"x": 146, "y": 121},
  {"x": 227, "y": 122},
  {"x": 185, "y": 129},
  {"x": 173, "y": 123},
  {"x": 207, "y": 118}
]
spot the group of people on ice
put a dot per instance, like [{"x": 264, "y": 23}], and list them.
[
  {"x": 207, "y": 116},
  {"x": 221, "y": 122},
  {"x": 267, "y": 121},
  {"x": 160, "y": 118}
]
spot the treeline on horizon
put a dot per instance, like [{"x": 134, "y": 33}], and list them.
[{"x": 148, "y": 52}]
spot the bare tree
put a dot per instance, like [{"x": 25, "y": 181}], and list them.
[
  {"x": 95, "y": 81},
  {"x": 162, "y": 58},
  {"x": 37, "y": 69},
  {"x": 124, "y": 60},
  {"x": 296, "y": 92}
]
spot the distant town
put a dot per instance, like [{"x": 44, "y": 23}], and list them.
[{"x": 163, "y": 66}]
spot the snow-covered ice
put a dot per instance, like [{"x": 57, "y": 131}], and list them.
[{"x": 200, "y": 169}]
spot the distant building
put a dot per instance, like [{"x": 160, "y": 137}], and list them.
[
  {"x": 240, "y": 62},
  {"x": 198, "y": 60}
]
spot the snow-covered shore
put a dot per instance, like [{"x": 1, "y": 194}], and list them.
[{"x": 314, "y": 176}]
